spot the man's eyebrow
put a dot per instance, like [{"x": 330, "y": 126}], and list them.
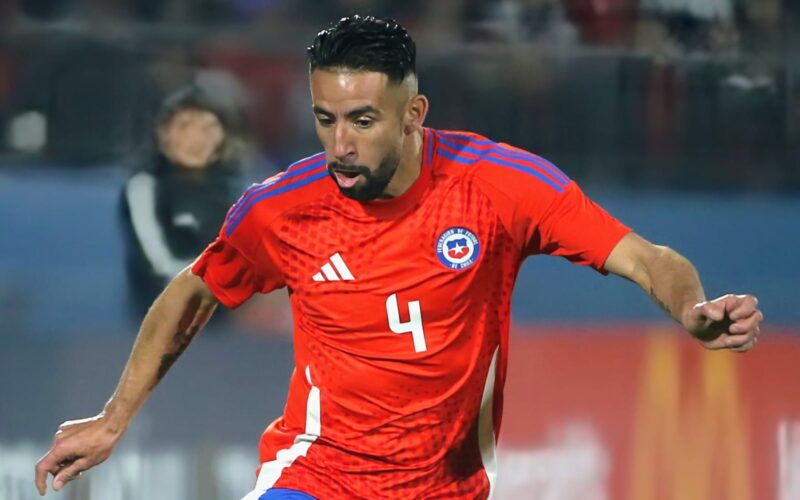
[
  {"x": 363, "y": 110},
  {"x": 353, "y": 113},
  {"x": 322, "y": 111}
]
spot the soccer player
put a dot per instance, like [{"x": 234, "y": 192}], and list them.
[{"x": 399, "y": 245}]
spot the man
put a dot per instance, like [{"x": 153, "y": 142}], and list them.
[{"x": 399, "y": 245}]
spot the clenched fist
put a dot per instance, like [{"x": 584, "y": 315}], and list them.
[{"x": 728, "y": 322}]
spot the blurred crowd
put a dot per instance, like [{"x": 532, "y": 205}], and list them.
[
  {"x": 675, "y": 93},
  {"x": 669, "y": 25}
]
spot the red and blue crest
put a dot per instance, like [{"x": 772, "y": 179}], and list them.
[{"x": 458, "y": 248}]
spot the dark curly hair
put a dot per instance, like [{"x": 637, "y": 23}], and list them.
[{"x": 365, "y": 43}]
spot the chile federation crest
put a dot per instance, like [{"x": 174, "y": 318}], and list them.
[{"x": 458, "y": 248}]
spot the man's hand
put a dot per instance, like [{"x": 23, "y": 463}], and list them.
[
  {"x": 729, "y": 322},
  {"x": 78, "y": 445},
  {"x": 168, "y": 328}
]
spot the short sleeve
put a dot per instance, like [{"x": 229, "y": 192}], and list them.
[
  {"x": 547, "y": 213},
  {"x": 237, "y": 264},
  {"x": 572, "y": 226}
]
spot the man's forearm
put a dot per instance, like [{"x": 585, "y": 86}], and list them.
[
  {"x": 673, "y": 283},
  {"x": 168, "y": 328},
  {"x": 730, "y": 321}
]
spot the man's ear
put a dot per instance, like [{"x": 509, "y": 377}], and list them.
[{"x": 416, "y": 111}]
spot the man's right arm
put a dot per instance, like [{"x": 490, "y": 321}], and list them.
[{"x": 169, "y": 326}]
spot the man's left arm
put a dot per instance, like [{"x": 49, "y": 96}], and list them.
[{"x": 728, "y": 322}]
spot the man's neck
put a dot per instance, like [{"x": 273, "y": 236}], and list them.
[{"x": 409, "y": 168}]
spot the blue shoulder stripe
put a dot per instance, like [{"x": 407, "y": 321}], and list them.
[
  {"x": 509, "y": 162},
  {"x": 297, "y": 168},
  {"x": 496, "y": 161},
  {"x": 559, "y": 176},
  {"x": 273, "y": 189}
]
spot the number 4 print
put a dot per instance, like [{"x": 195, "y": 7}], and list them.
[{"x": 413, "y": 325}]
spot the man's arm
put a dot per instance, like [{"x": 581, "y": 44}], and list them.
[
  {"x": 169, "y": 326},
  {"x": 730, "y": 321}
]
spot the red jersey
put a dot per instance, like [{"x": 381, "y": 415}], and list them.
[{"x": 401, "y": 311}]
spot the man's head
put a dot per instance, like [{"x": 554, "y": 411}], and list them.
[
  {"x": 190, "y": 129},
  {"x": 366, "y": 102}
]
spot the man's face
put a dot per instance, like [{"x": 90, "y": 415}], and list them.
[
  {"x": 359, "y": 120},
  {"x": 191, "y": 138}
]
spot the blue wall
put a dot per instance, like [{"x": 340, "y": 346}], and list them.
[
  {"x": 739, "y": 243},
  {"x": 61, "y": 255}
]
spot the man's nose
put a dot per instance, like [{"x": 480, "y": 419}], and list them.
[{"x": 343, "y": 146}]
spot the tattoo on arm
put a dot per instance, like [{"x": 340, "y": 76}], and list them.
[
  {"x": 658, "y": 301},
  {"x": 180, "y": 341}
]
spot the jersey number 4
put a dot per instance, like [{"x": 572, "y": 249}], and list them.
[{"x": 413, "y": 325}]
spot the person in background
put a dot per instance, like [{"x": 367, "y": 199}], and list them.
[
  {"x": 673, "y": 27},
  {"x": 174, "y": 203}
]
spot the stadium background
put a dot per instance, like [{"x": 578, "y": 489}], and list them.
[{"x": 680, "y": 116}]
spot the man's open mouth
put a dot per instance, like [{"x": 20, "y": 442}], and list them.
[{"x": 346, "y": 178}]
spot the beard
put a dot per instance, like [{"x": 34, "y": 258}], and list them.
[{"x": 373, "y": 182}]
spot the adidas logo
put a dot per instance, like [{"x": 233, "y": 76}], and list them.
[{"x": 329, "y": 274}]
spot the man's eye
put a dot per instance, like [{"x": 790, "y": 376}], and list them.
[
  {"x": 363, "y": 123},
  {"x": 324, "y": 121}
]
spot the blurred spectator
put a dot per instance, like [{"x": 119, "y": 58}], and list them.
[
  {"x": 520, "y": 21},
  {"x": 175, "y": 204},
  {"x": 752, "y": 97},
  {"x": 762, "y": 32},
  {"x": 688, "y": 25},
  {"x": 603, "y": 22}
]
